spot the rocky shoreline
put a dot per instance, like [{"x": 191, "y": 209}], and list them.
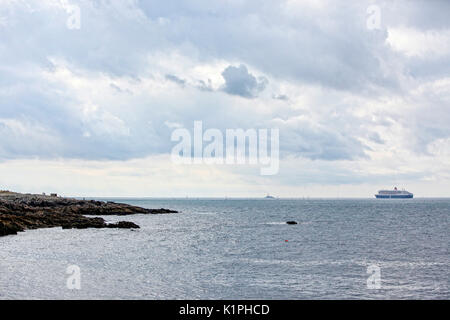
[{"x": 20, "y": 212}]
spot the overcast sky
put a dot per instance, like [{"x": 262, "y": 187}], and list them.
[{"x": 360, "y": 106}]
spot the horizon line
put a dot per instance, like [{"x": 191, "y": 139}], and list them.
[{"x": 246, "y": 198}]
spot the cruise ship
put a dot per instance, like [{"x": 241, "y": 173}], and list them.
[{"x": 394, "y": 194}]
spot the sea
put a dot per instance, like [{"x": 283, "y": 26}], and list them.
[{"x": 241, "y": 249}]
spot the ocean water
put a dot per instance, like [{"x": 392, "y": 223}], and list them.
[{"x": 241, "y": 249}]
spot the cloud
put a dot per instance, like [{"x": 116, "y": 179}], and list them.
[
  {"x": 423, "y": 44},
  {"x": 176, "y": 80},
  {"x": 205, "y": 86},
  {"x": 375, "y": 137},
  {"x": 238, "y": 81},
  {"x": 282, "y": 97},
  {"x": 306, "y": 138}
]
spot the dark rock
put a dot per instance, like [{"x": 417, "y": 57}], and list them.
[
  {"x": 161, "y": 211},
  {"x": 123, "y": 225},
  {"x": 19, "y": 212}
]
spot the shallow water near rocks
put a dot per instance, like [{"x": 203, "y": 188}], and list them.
[{"x": 237, "y": 249}]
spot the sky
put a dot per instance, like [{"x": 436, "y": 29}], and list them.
[{"x": 91, "y": 91}]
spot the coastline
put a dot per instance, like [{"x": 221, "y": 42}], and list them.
[{"x": 20, "y": 212}]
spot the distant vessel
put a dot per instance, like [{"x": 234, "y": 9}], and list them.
[
  {"x": 269, "y": 197},
  {"x": 394, "y": 194}
]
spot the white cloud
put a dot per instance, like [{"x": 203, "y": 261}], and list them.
[
  {"x": 420, "y": 43},
  {"x": 103, "y": 122}
]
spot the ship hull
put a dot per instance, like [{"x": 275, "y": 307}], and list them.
[{"x": 393, "y": 196}]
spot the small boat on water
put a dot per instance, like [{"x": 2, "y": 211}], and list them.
[{"x": 394, "y": 194}]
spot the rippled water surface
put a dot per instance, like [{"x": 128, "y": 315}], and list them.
[{"x": 237, "y": 249}]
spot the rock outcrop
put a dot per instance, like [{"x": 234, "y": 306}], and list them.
[{"x": 19, "y": 212}]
